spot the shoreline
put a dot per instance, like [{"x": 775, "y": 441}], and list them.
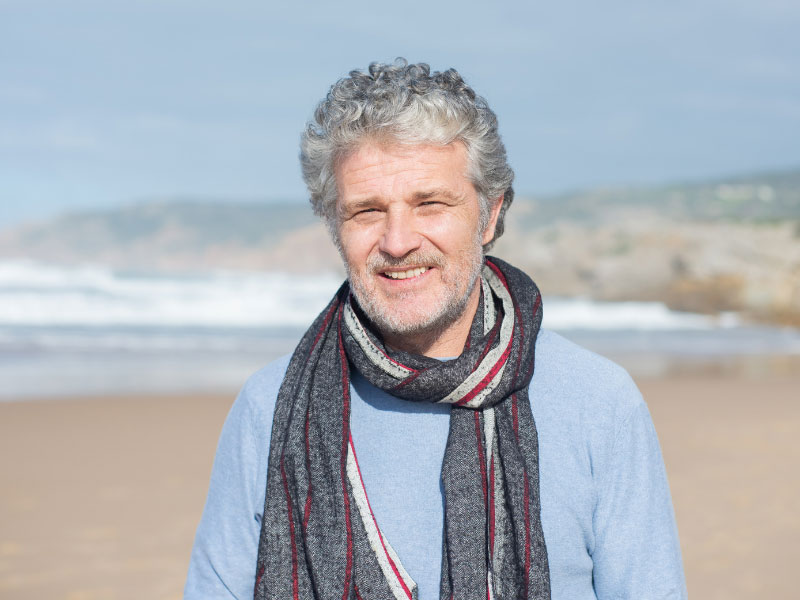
[
  {"x": 223, "y": 373},
  {"x": 113, "y": 487}
]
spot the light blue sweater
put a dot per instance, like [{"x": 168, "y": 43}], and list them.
[{"x": 606, "y": 510}]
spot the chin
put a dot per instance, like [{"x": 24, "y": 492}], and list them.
[
  {"x": 408, "y": 326},
  {"x": 417, "y": 321}
]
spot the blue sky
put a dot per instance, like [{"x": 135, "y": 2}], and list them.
[{"x": 108, "y": 102}]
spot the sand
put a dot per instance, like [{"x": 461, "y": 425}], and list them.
[
  {"x": 100, "y": 497},
  {"x": 732, "y": 452}
]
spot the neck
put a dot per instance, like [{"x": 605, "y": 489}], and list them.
[{"x": 442, "y": 342}]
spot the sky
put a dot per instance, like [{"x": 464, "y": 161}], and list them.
[{"x": 109, "y": 102}]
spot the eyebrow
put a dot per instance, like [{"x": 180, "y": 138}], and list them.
[
  {"x": 359, "y": 204},
  {"x": 436, "y": 192}
]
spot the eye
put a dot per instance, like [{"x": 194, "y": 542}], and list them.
[{"x": 365, "y": 211}]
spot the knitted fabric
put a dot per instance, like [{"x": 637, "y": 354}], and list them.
[{"x": 319, "y": 538}]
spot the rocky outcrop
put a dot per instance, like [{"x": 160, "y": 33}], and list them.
[{"x": 700, "y": 267}]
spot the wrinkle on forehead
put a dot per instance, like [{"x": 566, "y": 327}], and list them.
[{"x": 401, "y": 169}]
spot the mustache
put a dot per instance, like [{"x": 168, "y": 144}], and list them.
[{"x": 379, "y": 262}]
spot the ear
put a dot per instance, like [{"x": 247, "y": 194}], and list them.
[{"x": 494, "y": 213}]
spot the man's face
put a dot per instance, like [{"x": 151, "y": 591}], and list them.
[{"x": 410, "y": 235}]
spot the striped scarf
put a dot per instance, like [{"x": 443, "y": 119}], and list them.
[{"x": 319, "y": 538}]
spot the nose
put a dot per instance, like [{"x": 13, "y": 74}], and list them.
[{"x": 400, "y": 235}]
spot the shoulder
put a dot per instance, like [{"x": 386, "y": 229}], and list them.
[
  {"x": 577, "y": 385},
  {"x": 260, "y": 391},
  {"x": 222, "y": 563},
  {"x": 251, "y": 413},
  {"x": 268, "y": 378},
  {"x": 565, "y": 366},
  {"x": 603, "y": 485}
]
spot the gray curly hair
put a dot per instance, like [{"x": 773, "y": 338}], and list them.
[{"x": 407, "y": 104}]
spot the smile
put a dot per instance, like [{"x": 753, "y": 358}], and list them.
[{"x": 415, "y": 272}]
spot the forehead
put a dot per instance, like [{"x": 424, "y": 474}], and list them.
[{"x": 383, "y": 170}]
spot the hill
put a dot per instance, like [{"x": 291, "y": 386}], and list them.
[
  {"x": 728, "y": 244},
  {"x": 178, "y": 235}
]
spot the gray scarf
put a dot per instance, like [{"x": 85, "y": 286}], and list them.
[{"x": 319, "y": 538}]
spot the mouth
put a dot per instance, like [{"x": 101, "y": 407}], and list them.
[{"x": 404, "y": 274}]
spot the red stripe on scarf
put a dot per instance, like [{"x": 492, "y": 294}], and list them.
[
  {"x": 407, "y": 380},
  {"x": 342, "y": 466},
  {"x": 536, "y": 306},
  {"x": 514, "y": 416},
  {"x": 498, "y": 272},
  {"x": 307, "y": 510},
  {"x": 325, "y": 321},
  {"x": 291, "y": 530},
  {"x": 391, "y": 360},
  {"x": 533, "y": 362},
  {"x": 259, "y": 575}
]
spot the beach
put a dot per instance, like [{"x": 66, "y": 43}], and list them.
[{"x": 101, "y": 495}]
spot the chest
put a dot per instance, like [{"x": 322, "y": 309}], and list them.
[{"x": 400, "y": 447}]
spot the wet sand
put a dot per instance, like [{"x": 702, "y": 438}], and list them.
[{"x": 99, "y": 497}]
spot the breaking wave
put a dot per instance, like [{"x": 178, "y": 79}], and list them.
[{"x": 39, "y": 295}]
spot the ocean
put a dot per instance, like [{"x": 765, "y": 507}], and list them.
[{"x": 69, "y": 331}]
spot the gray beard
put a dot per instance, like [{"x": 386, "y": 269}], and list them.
[{"x": 387, "y": 323}]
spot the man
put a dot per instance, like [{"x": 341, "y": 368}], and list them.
[{"x": 426, "y": 439}]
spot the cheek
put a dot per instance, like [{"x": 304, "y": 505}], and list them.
[
  {"x": 453, "y": 233},
  {"x": 356, "y": 246}
]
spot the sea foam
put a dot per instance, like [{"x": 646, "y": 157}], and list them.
[{"x": 41, "y": 295}]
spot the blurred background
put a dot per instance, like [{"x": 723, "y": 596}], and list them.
[{"x": 157, "y": 247}]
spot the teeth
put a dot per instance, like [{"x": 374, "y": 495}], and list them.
[{"x": 406, "y": 274}]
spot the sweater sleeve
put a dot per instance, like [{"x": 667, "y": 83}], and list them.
[
  {"x": 636, "y": 554},
  {"x": 223, "y": 560}
]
